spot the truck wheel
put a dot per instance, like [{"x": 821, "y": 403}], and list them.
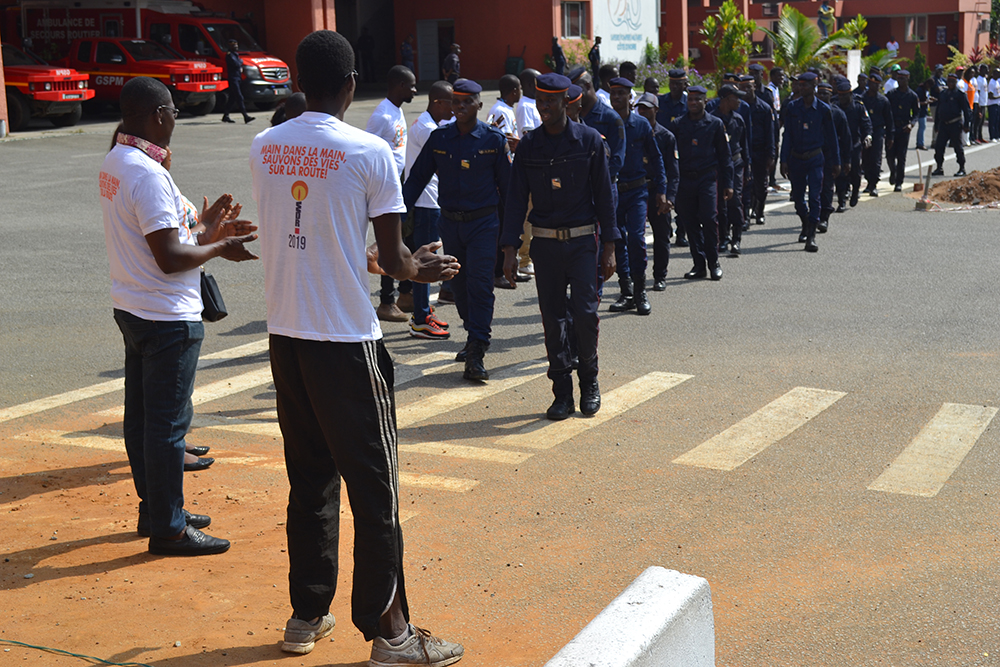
[
  {"x": 203, "y": 108},
  {"x": 69, "y": 119},
  {"x": 18, "y": 111},
  {"x": 221, "y": 102},
  {"x": 265, "y": 106}
]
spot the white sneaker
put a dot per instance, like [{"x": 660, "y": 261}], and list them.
[
  {"x": 301, "y": 636},
  {"x": 420, "y": 648},
  {"x": 529, "y": 269}
]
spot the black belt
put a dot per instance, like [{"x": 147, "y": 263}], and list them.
[
  {"x": 697, "y": 174},
  {"x": 954, "y": 120},
  {"x": 563, "y": 233},
  {"x": 737, "y": 156},
  {"x": 807, "y": 156},
  {"x": 468, "y": 216},
  {"x": 631, "y": 185}
]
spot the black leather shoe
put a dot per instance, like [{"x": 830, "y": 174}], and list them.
[
  {"x": 696, "y": 273},
  {"x": 464, "y": 352},
  {"x": 660, "y": 285},
  {"x": 822, "y": 226},
  {"x": 811, "y": 245},
  {"x": 760, "y": 219},
  {"x": 873, "y": 192},
  {"x": 854, "y": 199},
  {"x": 247, "y": 119},
  {"x": 227, "y": 119},
  {"x": 561, "y": 408},
  {"x": 622, "y": 304},
  {"x": 746, "y": 226},
  {"x": 642, "y": 307},
  {"x": 723, "y": 247},
  {"x": 682, "y": 243},
  {"x": 474, "y": 368},
  {"x": 193, "y": 543},
  {"x": 717, "y": 273},
  {"x": 841, "y": 207},
  {"x": 803, "y": 237},
  {"x": 198, "y": 521},
  {"x": 200, "y": 450},
  {"x": 734, "y": 250},
  {"x": 590, "y": 398},
  {"x": 961, "y": 172},
  {"x": 898, "y": 188},
  {"x": 938, "y": 172},
  {"x": 199, "y": 465}
]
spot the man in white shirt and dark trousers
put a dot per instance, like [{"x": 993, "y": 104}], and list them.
[
  {"x": 426, "y": 212},
  {"x": 388, "y": 122},
  {"x": 332, "y": 373},
  {"x": 156, "y": 292},
  {"x": 993, "y": 103},
  {"x": 527, "y": 120}
]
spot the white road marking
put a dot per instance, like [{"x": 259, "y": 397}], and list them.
[
  {"x": 546, "y": 434},
  {"x": 923, "y": 468},
  {"x": 749, "y": 437},
  {"x": 464, "y": 452},
  {"x": 436, "y": 483}
]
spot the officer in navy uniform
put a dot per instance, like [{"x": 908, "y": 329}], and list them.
[
  {"x": 843, "y": 130},
  {"x": 731, "y": 210},
  {"x": 234, "y": 75},
  {"x": 905, "y": 106},
  {"x": 563, "y": 167},
  {"x": 861, "y": 137},
  {"x": 762, "y": 148},
  {"x": 952, "y": 115},
  {"x": 647, "y": 106},
  {"x": 643, "y": 165},
  {"x": 706, "y": 165},
  {"x": 882, "y": 131},
  {"x": 810, "y": 142},
  {"x": 673, "y": 105},
  {"x": 473, "y": 168}
]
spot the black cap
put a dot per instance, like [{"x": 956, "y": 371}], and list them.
[
  {"x": 745, "y": 78},
  {"x": 844, "y": 86},
  {"x": 648, "y": 100},
  {"x": 677, "y": 74},
  {"x": 825, "y": 85},
  {"x": 875, "y": 76},
  {"x": 728, "y": 89},
  {"x": 756, "y": 67}
]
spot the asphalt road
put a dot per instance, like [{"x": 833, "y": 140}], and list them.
[{"x": 893, "y": 321}]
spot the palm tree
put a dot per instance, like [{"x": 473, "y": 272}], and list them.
[{"x": 798, "y": 44}]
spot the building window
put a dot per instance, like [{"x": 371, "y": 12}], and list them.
[
  {"x": 916, "y": 28},
  {"x": 574, "y": 21}
]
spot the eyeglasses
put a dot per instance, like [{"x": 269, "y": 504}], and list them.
[
  {"x": 174, "y": 110},
  {"x": 353, "y": 73}
]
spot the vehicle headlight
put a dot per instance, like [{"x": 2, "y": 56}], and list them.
[
  {"x": 48, "y": 86},
  {"x": 31, "y": 86},
  {"x": 187, "y": 77},
  {"x": 215, "y": 77},
  {"x": 81, "y": 84},
  {"x": 251, "y": 72}
]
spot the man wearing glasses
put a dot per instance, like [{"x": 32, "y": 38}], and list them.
[{"x": 155, "y": 289}]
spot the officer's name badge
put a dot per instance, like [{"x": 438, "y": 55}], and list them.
[
  {"x": 556, "y": 184},
  {"x": 645, "y": 160},
  {"x": 440, "y": 152},
  {"x": 805, "y": 126},
  {"x": 694, "y": 142},
  {"x": 465, "y": 164},
  {"x": 487, "y": 151}
]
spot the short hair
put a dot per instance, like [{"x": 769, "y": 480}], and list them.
[
  {"x": 324, "y": 59},
  {"x": 607, "y": 72},
  {"x": 651, "y": 82},
  {"x": 527, "y": 77},
  {"x": 440, "y": 90},
  {"x": 509, "y": 83},
  {"x": 295, "y": 105},
  {"x": 399, "y": 74},
  {"x": 142, "y": 95},
  {"x": 628, "y": 64},
  {"x": 776, "y": 71}
]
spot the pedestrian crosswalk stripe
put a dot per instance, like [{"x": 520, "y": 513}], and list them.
[
  {"x": 749, "y": 437},
  {"x": 437, "y": 483},
  {"x": 75, "y": 439},
  {"x": 266, "y": 429},
  {"x": 466, "y": 394},
  {"x": 234, "y": 385},
  {"x": 545, "y": 435},
  {"x": 463, "y": 452},
  {"x": 923, "y": 468}
]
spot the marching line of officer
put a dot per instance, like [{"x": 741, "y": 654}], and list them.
[
  {"x": 731, "y": 208},
  {"x": 643, "y": 165},
  {"x": 563, "y": 167},
  {"x": 860, "y": 125},
  {"x": 953, "y": 114},
  {"x": 809, "y": 144},
  {"x": 705, "y": 166},
  {"x": 671, "y": 106},
  {"x": 843, "y": 130},
  {"x": 473, "y": 168},
  {"x": 882, "y": 131},
  {"x": 762, "y": 146},
  {"x": 647, "y": 106},
  {"x": 905, "y": 107}
]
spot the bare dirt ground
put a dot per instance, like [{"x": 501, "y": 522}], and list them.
[{"x": 978, "y": 188}]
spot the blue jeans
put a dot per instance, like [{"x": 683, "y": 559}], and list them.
[
  {"x": 425, "y": 230},
  {"x": 921, "y": 127},
  {"x": 160, "y": 361}
]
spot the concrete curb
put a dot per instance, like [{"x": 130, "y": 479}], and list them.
[{"x": 663, "y": 619}]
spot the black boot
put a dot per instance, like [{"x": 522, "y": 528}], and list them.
[
  {"x": 474, "y": 368},
  {"x": 561, "y": 408},
  {"x": 590, "y": 397},
  {"x": 642, "y": 306},
  {"x": 626, "y": 300},
  {"x": 803, "y": 235},
  {"x": 824, "y": 223},
  {"x": 811, "y": 238}
]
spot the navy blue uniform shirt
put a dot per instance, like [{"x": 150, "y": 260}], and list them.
[
  {"x": 905, "y": 106},
  {"x": 606, "y": 120},
  {"x": 953, "y": 104},
  {"x": 762, "y": 129},
  {"x": 234, "y": 65},
  {"x": 744, "y": 111},
  {"x": 568, "y": 180},
  {"x": 857, "y": 120},
  {"x": 808, "y": 128},
  {"x": 843, "y": 129},
  {"x": 702, "y": 146},
  {"x": 669, "y": 111},
  {"x": 642, "y": 155},
  {"x": 667, "y": 143},
  {"x": 473, "y": 169},
  {"x": 736, "y": 130},
  {"x": 879, "y": 113}
]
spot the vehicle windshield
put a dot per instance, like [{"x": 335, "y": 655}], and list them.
[
  {"x": 140, "y": 49},
  {"x": 13, "y": 57},
  {"x": 223, "y": 32}
]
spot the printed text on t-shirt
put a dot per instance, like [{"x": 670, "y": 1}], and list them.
[
  {"x": 307, "y": 161},
  {"x": 109, "y": 185}
]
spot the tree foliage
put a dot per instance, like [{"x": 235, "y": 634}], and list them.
[
  {"x": 729, "y": 35},
  {"x": 798, "y": 44},
  {"x": 854, "y": 30}
]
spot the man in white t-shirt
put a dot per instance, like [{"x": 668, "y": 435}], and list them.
[
  {"x": 426, "y": 212},
  {"x": 525, "y": 111},
  {"x": 156, "y": 292},
  {"x": 317, "y": 182},
  {"x": 892, "y": 46},
  {"x": 502, "y": 115},
  {"x": 388, "y": 122},
  {"x": 983, "y": 98},
  {"x": 993, "y": 104},
  {"x": 608, "y": 72}
]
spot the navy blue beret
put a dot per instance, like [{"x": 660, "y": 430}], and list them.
[
  {"x": 807, "y": 77},
  {"x": 574, "y": 92},
  {"x": 843, "y": 86},
  {"x": 677, "y": 74},
  {"x": 575, "y": 73},
  {"x": 552, "y": 83},
  {"x": 467, "y": 87},
  {"x": 621, "y": 82},
  {"x": 756, "y": 67},
  {"x": 698, "y": 89}
]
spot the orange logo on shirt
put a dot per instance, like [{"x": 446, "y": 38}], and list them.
[{"x": 299, "y": 190}]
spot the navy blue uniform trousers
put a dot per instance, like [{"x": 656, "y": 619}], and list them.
[
  {"x": 802, "y": 174},
  {"x": 696, "y": 210},
  {"x": 847, "y": 183},
  {"x": 731, "y": 212},
  {"x": 474, "y": 244},
  {"x": 571, "y": 324},
  {"x": 630, "y": 249}
]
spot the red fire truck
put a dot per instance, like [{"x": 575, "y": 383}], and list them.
[
  {"x": 111, "y": 62},
  {"x": 50, "y": 26},
  {"x": 36, "y": 89}
]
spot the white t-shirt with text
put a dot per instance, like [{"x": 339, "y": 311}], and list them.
[
  {"x": 138, "y": 197},
  {"x": 503, "y": 117},
  {"x": 317, "y": 182},
  {"x": 388, "y": 122},
  {"x": 526, "y": 115},
  {"x": 419, "y": 132}
]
